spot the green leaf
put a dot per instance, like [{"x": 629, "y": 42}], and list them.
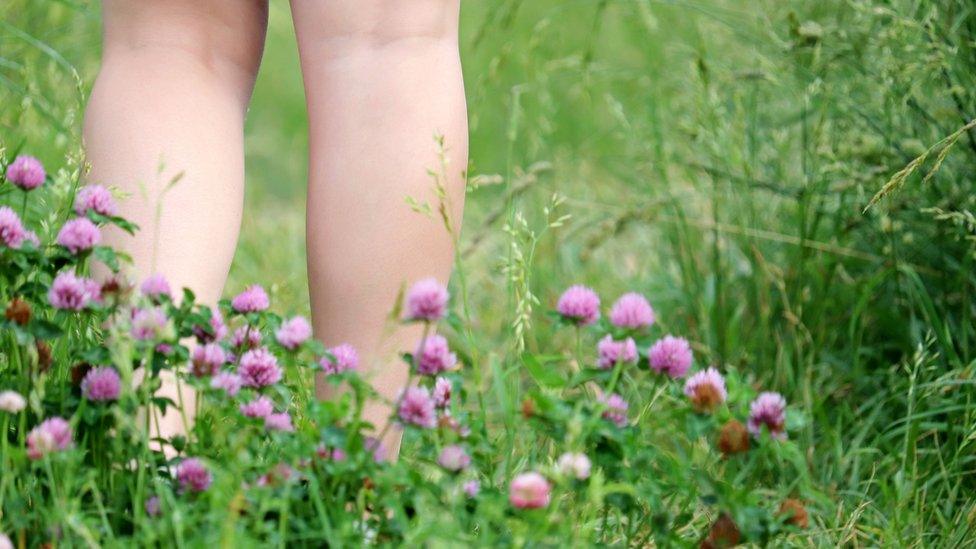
[
  {"x": 95, "y": 355},
  {"x": 188, "y": 302},
  {"x": 619, "y": 488},
  {"x": 44, "y": 329},
  {"x": 163, "y": 403},
  {"x": 543, "y": 374},
  {"x": 119, "y": 222},
  {"x": 107, "y": 256},
  {"x": 588, "y": 374}
]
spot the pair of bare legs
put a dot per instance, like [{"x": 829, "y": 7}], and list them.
[{"x": 382, "y": 77}]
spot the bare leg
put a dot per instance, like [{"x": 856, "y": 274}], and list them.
[
  {"x": 175, "y": 81},
  {"x": 382, "y": 78}
]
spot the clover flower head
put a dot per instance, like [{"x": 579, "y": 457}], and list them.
[
  {"x": 101, "y": 384},
  {"x": 293, "y": 332},
  {"x": 96, "y": 198},
  {"x": 769, "y": 410},
  {"x": 193, "y": 475},
  {"x": 26, "y": 172},
  {"x": 433, "y": 356},
  {"x": 417, "y": 408},
  {"x": 529, "y": 491},
  {"x": 252, "y": 299},
  {"x": 346, "y": 358},
  {"x": 79, "y": 234},
  {"x": 670, "y": 355},
  {"x": 632, "y": 311},
  {"x": 427, "y": 300},
  {"x": 579, "y": 305}
]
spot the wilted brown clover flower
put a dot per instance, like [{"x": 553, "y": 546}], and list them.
[
  {"x": 794, "y": 512},
  {"x": 18, "y": 311},
  {"x": 733, "y": 438},
  {"x": 724, "y": 533}
]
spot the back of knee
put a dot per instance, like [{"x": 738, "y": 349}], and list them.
[
  {"x": 375, "y": 24},
  {"x": 223, "y": 37}
]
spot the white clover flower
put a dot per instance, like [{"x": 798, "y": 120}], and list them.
[{"x": 12, "y": 402}]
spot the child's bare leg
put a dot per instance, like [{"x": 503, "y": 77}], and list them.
[
  {"x": 382, "y": 78},
  {"x": 174, "y": 84}
]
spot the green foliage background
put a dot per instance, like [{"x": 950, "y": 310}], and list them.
[{"x": 718, "y": 156}]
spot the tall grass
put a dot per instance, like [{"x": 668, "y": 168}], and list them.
[{"x": 721, "y": 156}]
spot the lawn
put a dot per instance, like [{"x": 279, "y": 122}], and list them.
[{"x": 790, "y": 184}]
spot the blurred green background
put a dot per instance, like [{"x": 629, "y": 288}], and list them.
[{"x": 716, "y": 155}]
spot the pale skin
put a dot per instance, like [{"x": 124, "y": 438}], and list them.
[{"x": 382, "y": 79}]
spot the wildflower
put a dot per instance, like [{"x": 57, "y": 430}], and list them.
[
  {"x": 616, "y": 409},
  {"x": 101, "y": 384},
  {"x": 215, "y": 330},
  {"x": 529, "y": 491},
  {"x": 611, "y": 352},
  {"x": 228, "y": 382},
  {"x": 442, "y": 392},
  {"x": 5, "y": 542},
  {"x": 246, "y": 336},
  {"x": 18, "y": 311},
  {"x": 12, "y": 402},
  {"x": 376, "y": 447},
  {"x": 446, "y": 421},
  {"x": 79, "y": 234},
  {"x": 116, "y": 288},
  {"x": 706, "y": 389},
  {"x": 78, "y": 373},
  {"x": 96, "y": 198},
  {"x": 12, "y": 232},
  {"x": 153, "y": 509},
  {"x": 293, "y": 332},
  {"x": 574, "y": 465},
  {"x": 723, "y": 533},
  {"x": 260, "y": 407},
  {"x": 670, "y": 355},
  {"x": 51, "y": 435},
  {"x": 149, "y": 324},
  {"x": 278, "y": 422},
  {"x": 471, "y": 488},
  {"x": 733, "y": 438},
  {"x": 454, "y": 458},
  {"x": 26, "y": 172},
  {"x": 417, "y": 408},
  {"x": 433, "y": 356},
  {"x": 345, "y": 358},
  {"x": 69, "y": 292},
  {"x": 207, "y": 359},
  {"x": 768, "y": 409},
  {"x": 31, "y": 236},
  {"x": 794, "y": 512},
  {"x": 155, "y": 287},
  {"x": 632, "y": 311},
  {"x": 44, "y": 357},
  {"x": 334, "y": 454},
  {"x": 579, "y": 305},
  {"x": 259, "y": 368},
  {"x": 251, "y": 300},
  {"x": 278, "y": 474},
  {"x": 427, "y": 301},
  {"x": 193, "y": 475},
  {"x": 94, "y": 290}
]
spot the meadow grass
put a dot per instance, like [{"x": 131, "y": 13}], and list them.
[{"x": 718, "y": 156}]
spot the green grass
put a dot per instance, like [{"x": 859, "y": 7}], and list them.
[{"x": 716, "y": 155}]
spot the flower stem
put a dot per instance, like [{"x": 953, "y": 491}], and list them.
[{"x": 396, "y": 402}]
